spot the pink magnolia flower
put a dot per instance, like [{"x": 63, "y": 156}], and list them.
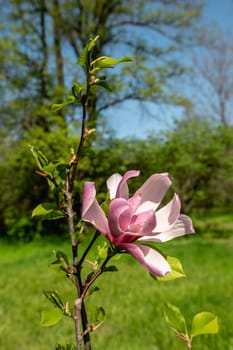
[{"x": 133, "y": 220}]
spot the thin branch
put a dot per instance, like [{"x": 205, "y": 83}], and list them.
[
  {"x": 98, "y": 273},
  {"x": 96, "y": 235}
]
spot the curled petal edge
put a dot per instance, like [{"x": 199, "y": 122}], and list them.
[
  {"x": 167, "y": 216},
  {"x": 149, "y": 258},
  {"x": 122, "y": 189},
  {"x": 154, "y": 188},
  {"x": 112, "y": 184},
  {"x": 182, "y": 227},
  {"x": 92, "y": 211}
]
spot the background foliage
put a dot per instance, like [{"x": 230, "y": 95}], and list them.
[{"x": 197, "y": 155}]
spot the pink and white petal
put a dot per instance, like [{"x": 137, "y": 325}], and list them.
[
  {"x": 188, "y": 224},
  {"x": 145, "y": 206},
  {"x": 154, "y": 188},
  {"x": 119, "y": 216},
  {"x": 125, "y": 238},
  {"x": 123, "y": 190},
  {"x": 135, "y": 202},
  {"x": 167, "y": 215},
  {"x": 149, "y": 258},
  {"x": 143, "y": 223},
  {"x": 112, "y": 184},
  {"x": 89, "y": 193},
  {"x": 91, "y": 210},
  {"x": 183, "y": 226}
]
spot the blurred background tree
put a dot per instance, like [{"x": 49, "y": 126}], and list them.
[{"x": 213, "y": 83}]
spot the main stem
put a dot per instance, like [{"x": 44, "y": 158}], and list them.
[{"x": 80, "y": 312}]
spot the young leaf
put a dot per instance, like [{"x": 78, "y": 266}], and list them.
[
  {"x": 60, "y": 172},
  {"x": 102, "y": 252},
  {"x": 40, "y": 158},
  {"x": 93, "y": 289},
  {"x": 47, "y": 211},
  {"x": 99, "y": 314},
  {"x": 55, "y": 299},
  {"x": 68, "y": 346},
  {"x": 204, "y": 323},
  {"x": 50, "y": 317},
  {"x": 104, "y": 84},
  {"x": 77, "y": 90},
  {"x": 61, "y": 256},
  {"x": 56, "y": 171},
  {"x": 57, "y": 106},
  {"x": 176, "y": 270},
  {"x": 61, "y": 264},
  {"x": 110, "y": 268},
  {"x": 84, "y": 57},
  {"x": 109, "y": 62},
  {"x": 175, "y": 319}
]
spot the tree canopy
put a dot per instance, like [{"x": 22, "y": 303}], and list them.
[{"x": 41, "y": 40}]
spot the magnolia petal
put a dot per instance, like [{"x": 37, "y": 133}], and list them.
[
  {"x": 145, "y": 206},
  {"x": 167, "y": 215},
  {"x": 143, "y": 223},
  {"x": 112, "y": 184},
  {"x": 91, "y": 210},
  {"x": 149, "y": 258},
  {"x": 183, "y": 226},
  {"x": 89, "y": 193},
  {"x": 154, "y": 188},
  {"x": 135, "y": 202},
  {"x": 123, "y": 190},
  {"x": 119, "y": 216}
]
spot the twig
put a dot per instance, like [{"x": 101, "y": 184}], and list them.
[{"x": 96, "y": 235}]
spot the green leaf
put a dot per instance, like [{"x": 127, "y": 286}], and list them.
[
  {"x": 47, "y": 211},
  {"x": 102, "y": 252},
  {"x": 68, "y": 346},
  {"x": 60, "y": 172},
  {"x": 40, "y": 158},
  {"x": 61, "y": 256},
  {"x": 176, "y": 270},
  {"x": 69, "y": 99},
  {"x": 110, "y": 268},
  {"x": 57, "y": 106},
  {"x": 50, "y": 317},
  {"x": 99, "y": 314},
  {"x": 77, "y": 90},
  {"x": 50, "y": 169},
  {"x": 57, "y": 171},
  {"x": 61, "y": 264},
  {"x": 109, "y": 62},
  {"x": 104, "y": 84},
  {"x": 204, "y": 323},
  {"x": 175, "y": 319},
  {"x": 55, "y": 299},
  {"x": 93, "y": 289},
  {"x": 84, "y": 57},
  {"x": 105, "y": 205}
]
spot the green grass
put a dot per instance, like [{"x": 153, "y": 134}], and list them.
[
  {"x": 218, "y": 224},
  {"x": 132, "y": 300}
]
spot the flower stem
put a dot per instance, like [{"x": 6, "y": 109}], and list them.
[
  {"x": 98, "y": 273},
  {"x": 96, "y": 235}
]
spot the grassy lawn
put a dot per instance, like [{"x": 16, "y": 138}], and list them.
[{"x": 132, "y": 300}]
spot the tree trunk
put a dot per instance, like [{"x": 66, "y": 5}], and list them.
[{"x": 42, "y": 119}]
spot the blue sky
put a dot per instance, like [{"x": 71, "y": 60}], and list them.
[{"x": 130, "y": 120}]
